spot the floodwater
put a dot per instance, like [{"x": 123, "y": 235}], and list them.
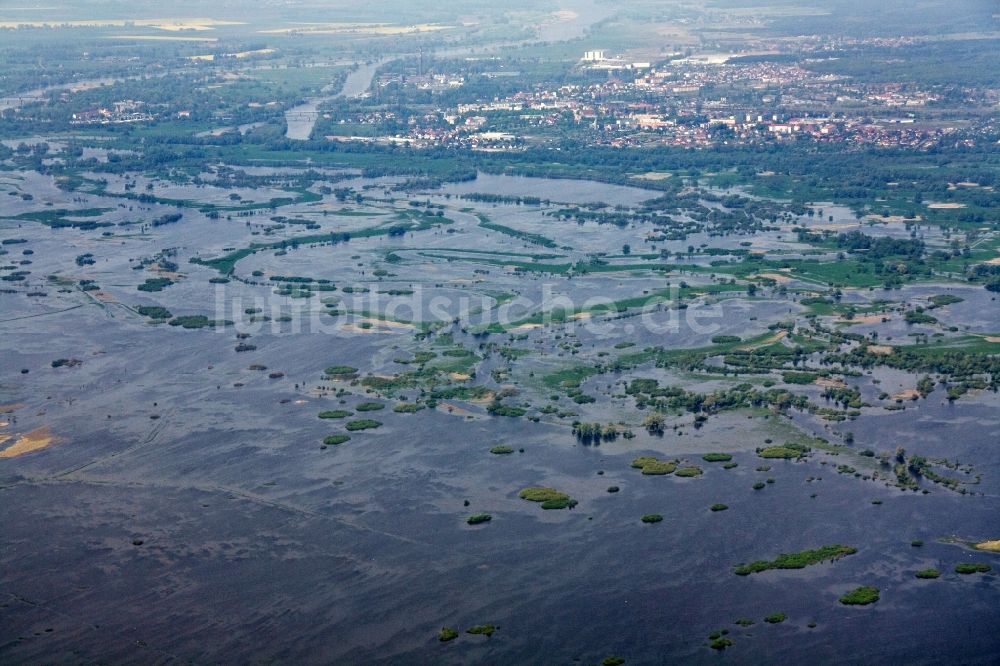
[
  {"x": 185, "y": 511},
  {"x": 302, "y": 118}
]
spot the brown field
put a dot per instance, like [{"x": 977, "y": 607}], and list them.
[{"x": 36, "y": 440}]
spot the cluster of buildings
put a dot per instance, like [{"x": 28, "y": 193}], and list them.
[
  {"x": 431, "y": 82},
  {"x": 689, "y": 102},
  {"x": 126, "y": 111}
]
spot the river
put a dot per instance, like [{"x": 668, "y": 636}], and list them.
[
  {"x": 302, "y": 118},
  {"x": 579, "y": 16}
]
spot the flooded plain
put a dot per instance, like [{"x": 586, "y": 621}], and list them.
[{"x": 185, "y": 503}]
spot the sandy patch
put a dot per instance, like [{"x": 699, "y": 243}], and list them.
[
  {"x": 527, "y": 327},
  {"x": 487, "y": 398},
  {"x": 991, "y": 338},
  {"x": 449, "y": 408},
  {"x": 247, "y": 54},
  {"x": 104, "y": 296},
  {"x": 377, "y": 326},
  {"x": 460, "y": 376},
  {"x": 654, "y": 175},
  {"x": 995, "y": 261},
  {"x": 992, "y": 546},
  {"x": 36, "y": 440},
  {"x": 565, "y": 15},
  {"x": 396, "y": 325},
  {"x": 880, "y": 349},
  {"x": 866, "y": 319},
  {"x": 826, "y": 382},
  {"x": 777, "y": 277},
  {"x": 908, "y": 394},
  {"x": 581, "y": 315},
  {"x": 892, "y": 218},
  {"x": 946, "y": 206},
  {"x": 9, "y": 409},
  {"x": 354, "y": 328},
  {"x": 242, "y": 54}
]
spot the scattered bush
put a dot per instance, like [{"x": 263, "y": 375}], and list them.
[
  {"x": 478, "y": 518},
  {"x": 482, "y": 630},
  {"x": 335, "y": 414},
  {"x": 338, "y": 371},
  {"x": 335, "y": 440},
  {"x": 541, "y": 494},
  {"x": 362, "y": 424},
  {"x": 155, "y": 284},
  {"x": 500, "y": 409},
  {"x": 861, "y": 596},
  {"x": 786, "y": 452},
  {"x": 798, "y": 560},
  {"x": 652, "y": 466},
  {"x": 153, "y": 312},
  {"x": 559, "y": 504}
]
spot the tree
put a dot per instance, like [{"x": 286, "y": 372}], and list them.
[{"x": 654, "y": 422}]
